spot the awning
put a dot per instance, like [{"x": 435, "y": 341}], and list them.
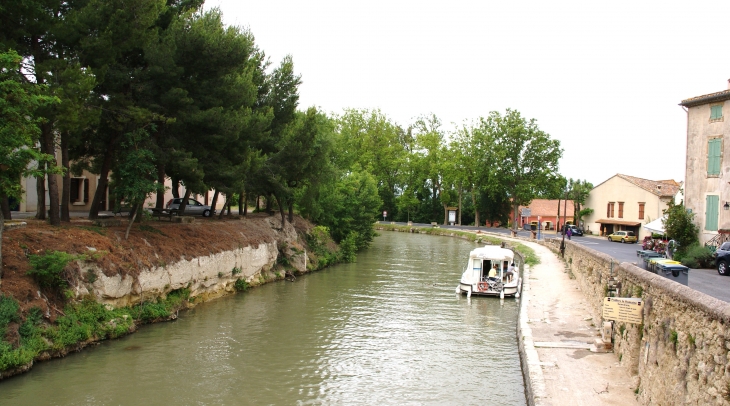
[
  {"x": 618, "y": 222},
  {"x": 656, "y": 226}
]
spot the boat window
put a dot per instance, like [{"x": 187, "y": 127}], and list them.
[{"x": 477, "y": 264}]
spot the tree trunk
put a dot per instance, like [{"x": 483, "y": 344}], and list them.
[
  {"x": 131, "y": 220},
  {"x": 49, "y": 147},
  {"x": 269, "y": 208},
  {"x": 460, "y": 193},
  {"x": 240, "y": 202},
  {"x": 183, "y": 203},
  {"x": 160, "y": 203},
  {"x": 40, "y": 190},
  {"x": 515, "y": 210},
  {"x": 5, "y": 206},
  {"x": 446, "y": 213},
  {"x": 291, "y": 209},
  {"x": 281, "y": 210},
  {"x": 220, "y": 215},
  {"x": 102, "y": 185},
  {"x": 214, "y": 203},
  {"x": 245, "y": 205},
  {"x": 66, "y": 192},
  {"x": 476, "y": 209},
  {"x": 175, "y": 187},
  {"x": 228, "y": 206},
  {"x": 559, "y": 226}
]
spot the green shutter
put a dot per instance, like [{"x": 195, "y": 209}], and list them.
[
  {"x": 715, "y": 112},
  {"x": 714, "y": 156},
  {"x": 712, "y": 212}
]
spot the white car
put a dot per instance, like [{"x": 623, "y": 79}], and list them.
[{"x": 193, "y": 207}]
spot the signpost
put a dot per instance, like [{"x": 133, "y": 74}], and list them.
[
  {"x": 624, "y": 310},
  {"x": 385, "y": 214}
]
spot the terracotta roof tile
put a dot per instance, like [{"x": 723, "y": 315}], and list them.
[
  {"x": 545, "y": 207},
  {"x": 661, "y": 188},
  {"x": 706, "y": 98}
]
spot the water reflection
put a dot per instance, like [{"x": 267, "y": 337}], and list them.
[{"x": 385, "y": 330}]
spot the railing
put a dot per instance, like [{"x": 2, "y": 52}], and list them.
[{"x": 714, "y": 242}]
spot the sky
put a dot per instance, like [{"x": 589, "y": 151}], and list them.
[{"x": 604, "y": 78}]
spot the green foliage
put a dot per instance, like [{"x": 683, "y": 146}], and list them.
[
  {"x": 8, "y": 313},
  {"x": 674, "y": 337},
  {"x": 48, "y": 269},
  {"x": 150, "y": 229},
  {"x": 91, "y": 276},
  {"x": 235, "y": 271},
  {"x": 220, "y": 274},
  {"x": 690, "y": 339},
  {"x": 321, "y": 243},
  {"x": 98, "y": 230},
  {"x": 679, "y": 225},
  {"x": 696, "y": 256},
  {"x": 348, "y": 247},
  {"x": 241, "y": 285}
]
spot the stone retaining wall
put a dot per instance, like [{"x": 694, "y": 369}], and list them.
[{"x": 680, "y": 354}]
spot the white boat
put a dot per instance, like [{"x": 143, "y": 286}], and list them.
[{"x": 476, "y": 279}]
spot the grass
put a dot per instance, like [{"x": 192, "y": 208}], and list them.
[
  {"x": 98, "y": 230},
  {"x": 150, "y": 229}
]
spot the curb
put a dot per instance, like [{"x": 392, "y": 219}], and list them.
[{"x": 535, "y": 391}]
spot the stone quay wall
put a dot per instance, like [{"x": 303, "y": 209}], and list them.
[{"x": 680, "y": 354}]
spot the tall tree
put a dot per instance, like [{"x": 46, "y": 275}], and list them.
[{"x": 525, "y": 156}]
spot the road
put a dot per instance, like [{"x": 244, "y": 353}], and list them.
[{"x": 707, "y": 281}]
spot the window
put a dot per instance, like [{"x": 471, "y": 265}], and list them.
[
  {"x": 610, "y": 209},
  {"x": 712, "y": 212},
  {"x": 641, "y": 211},
  {"x": 79, "y": 192},
  {"x": 620, "y": 210},
  {"x": 714, "y": 156},
  {"x": 716, "y": 112}
]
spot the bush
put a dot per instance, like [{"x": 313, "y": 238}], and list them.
[
  {"x": 348, "y": 247},
  {"x": 696, "y": 256},
  {"x": 48, "y": 269},
  {"x": 8, "y": 313},
  {"x": 241, "y": 285}
]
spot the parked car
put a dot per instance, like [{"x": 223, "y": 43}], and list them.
[
  {"x": 722, "y": 259},
  {"x": 574, "y": 230},
  {"x": 623, "y": 236},
  {"x": 193, "y": 207}
]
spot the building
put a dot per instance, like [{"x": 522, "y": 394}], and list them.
[
  {"x": 707, "y": 192},
  {"x": 547, "y": 212},
  {"x": 626, "y": 202}
]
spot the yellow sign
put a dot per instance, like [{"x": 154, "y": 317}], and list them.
[{"x": 626, "y": 310}]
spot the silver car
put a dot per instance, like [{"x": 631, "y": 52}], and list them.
[{"x": 193, "y": 207}]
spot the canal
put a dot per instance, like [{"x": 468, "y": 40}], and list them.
[{"x": 387, "y": 330}]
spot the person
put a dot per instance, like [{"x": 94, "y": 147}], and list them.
[
  {"x": 510, "y": 272},
  {"x": 568, "y": 232},
  {"x": 493, "y": 272}
]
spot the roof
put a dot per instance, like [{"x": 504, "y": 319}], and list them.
[
  {"x": 661, "y": 188},
  {"x": 619, "y": 222},
  {"x": 546, "y": 207},
  {"x": 492, "y": 252},
  {"x": 707, "y": 98}
]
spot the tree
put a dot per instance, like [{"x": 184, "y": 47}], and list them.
[
  {"x": 525, "y": 156},
  {"x": 134, "y": 177},
  {"x": 19, "y": 130},
  {"x": 680, "y": 226},
  {"x": 578, "y": 191}
]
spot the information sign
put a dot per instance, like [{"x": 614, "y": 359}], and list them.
[
  {"x": 526, "y": 212},
  {"x": 625, "y": 310}
]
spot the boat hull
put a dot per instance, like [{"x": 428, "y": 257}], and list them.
[{"x": 465, "y": 288}]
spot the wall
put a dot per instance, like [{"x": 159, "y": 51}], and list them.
[
  {"x": 680, "y": 353},
  {"x": 615, "y": 190},
  {"x": 697, "y": 184}
]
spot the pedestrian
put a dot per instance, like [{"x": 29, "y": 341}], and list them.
[{"x": 569, "y": 232}]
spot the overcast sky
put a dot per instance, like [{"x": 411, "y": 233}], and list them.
[{"x": 603, "y": 78}]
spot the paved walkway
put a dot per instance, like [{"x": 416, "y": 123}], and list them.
[{"x": 554, "y": 315}]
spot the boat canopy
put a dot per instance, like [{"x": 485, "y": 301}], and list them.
[{"x": 492, "y": 252}]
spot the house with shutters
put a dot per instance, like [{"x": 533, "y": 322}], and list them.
[
  {"x": 546, "y": 213},
  {"x": 707, "y": 190},
  {"x": 626, "y": 202}
]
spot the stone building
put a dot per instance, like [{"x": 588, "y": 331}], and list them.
[
  {"x": 626, "y": 202},
  {"x": 707, "y": 191}
]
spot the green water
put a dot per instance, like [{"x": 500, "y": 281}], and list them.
[{"x": 386, "y": 330}]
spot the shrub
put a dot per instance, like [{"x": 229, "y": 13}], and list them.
[
  {"x": 697, "y": 256},
  {"x": 48, "y": 269},
  {"x": 8, "y": 313},
  {"x": 241, "y": 285},
  {"x": 348, "y": 247}
]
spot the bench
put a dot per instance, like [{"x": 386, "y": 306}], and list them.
[
  {"x": 159, "y": 213},
  {"x": 122, "y": 209}
]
